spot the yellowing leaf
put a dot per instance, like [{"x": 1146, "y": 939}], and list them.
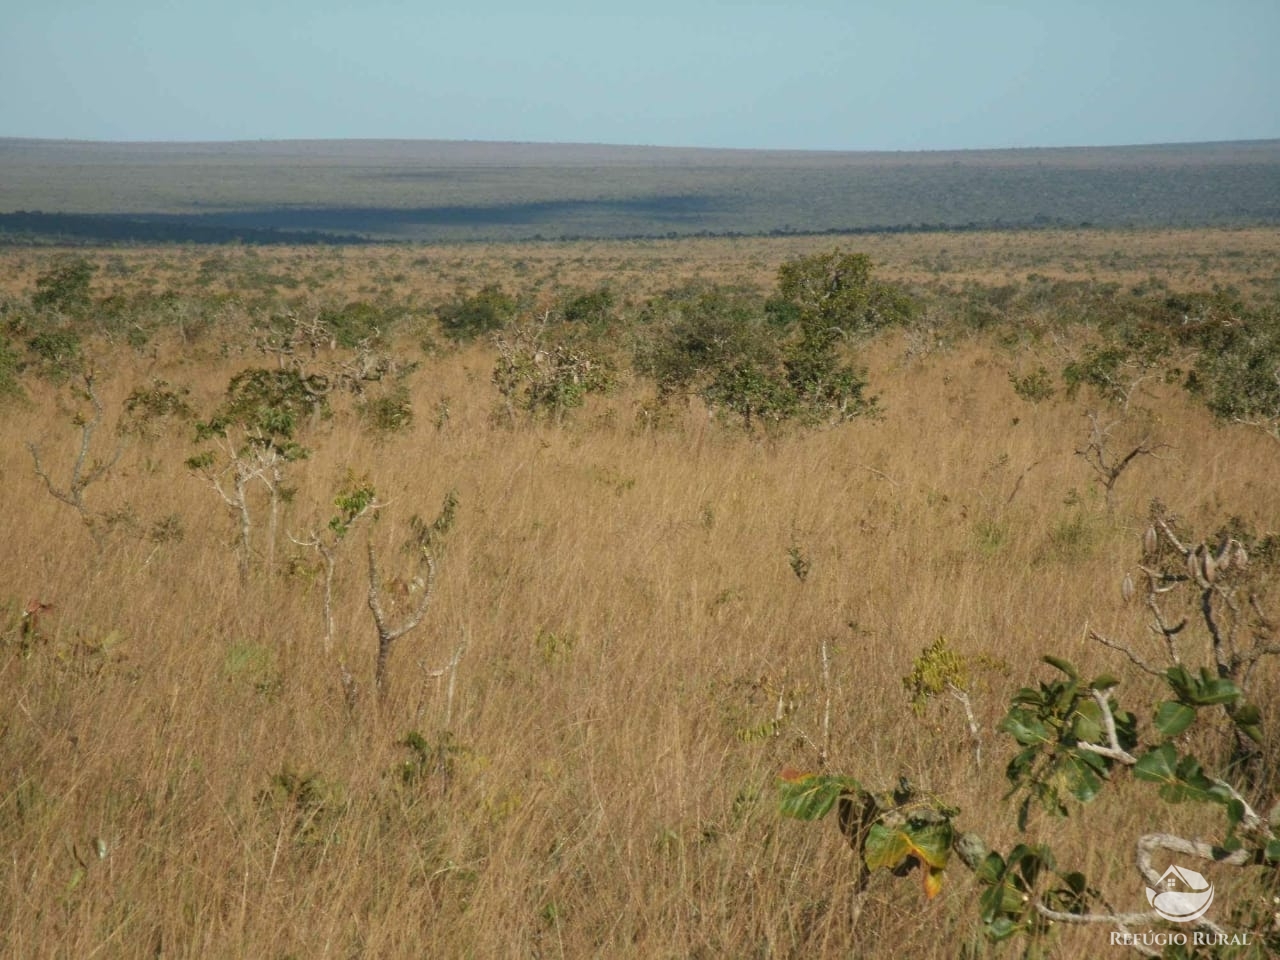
[
  {"x": 926, "y": 845},
  {"x": 932, "y": 877},
  {"x": 886, "y": 847}
]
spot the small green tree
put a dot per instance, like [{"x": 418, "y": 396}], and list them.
[
  {"x": 834, "y": 294},
  {"x": 425, "y": 542},
  {"x": 691, "y": 337},
  {"x": 253, "y": 433},
  {"x": 55, "y": 353},
  {"x": 148, "y": 406},
  {"x": 356, "y": 323},
  {"x": 270, "y": 404},
  {"x": 835, "y": 299},
  {"x": 357, "y": 500},
  {"x": 1116, "y": 372},
  {"x": 1033, "y": 387}
]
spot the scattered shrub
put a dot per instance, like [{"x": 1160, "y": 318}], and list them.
[
  {"x": 389, "y": 412},
  {"x": 466, "y": 317},
  {"x": 55, "y": 354},
  {"x": 9, "y": 367},
  {"x": 543, "y": 379},
  {"x": 835, "y": 291},
  {"x": 592, "y": 308},
  {"x": 268, "y": 402},
  {"x": 719, "y": 345},
  {"x": 65, "y": 286},
  {"x": 356, "y": 323},
  {"x": 147, "y": 406},
  {"x": 1034, "y": 387},
  {"x": 1237, "y": 375}
]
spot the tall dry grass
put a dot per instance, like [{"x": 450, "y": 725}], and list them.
[
  {"x": 1187, "y": 258},
  {"x": 180, "y": 774}
]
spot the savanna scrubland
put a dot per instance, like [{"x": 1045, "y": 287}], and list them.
[{"x": 684, "y": 515}]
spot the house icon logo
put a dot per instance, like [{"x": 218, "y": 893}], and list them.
[{"x": 1182, "y": 895}]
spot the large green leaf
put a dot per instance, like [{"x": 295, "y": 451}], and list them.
[
  {"x": 1180, "y": 680},
  {"x": 1214, "y": 690},
  {"x": 1191, "y": 784},
  {"x": 1157, "y": 765},
  {"x": 1031, "y": 861},
  {"x": 1180, "y": 778},
  {"x": 1066, "y": 695},
  {"x": 1022, "y": 764},
  {"x": 1066, "y": 666},
  {"x": 1025, "y": 727},
  {"x": 1028, "y": 698},
  {"x": 932, "y": 842},
  {"x": 991, "y": 869},
  {"x": 1002, "y": 928},
  {"x": 1087, "y": 724},
  {"x": 1205, "y": 690},
  {"x": 1173, "y": 717},
  {"x": 811, "y": 796},
  {"x": 1248, "y": 718},
  {"x": 1006, "y": 901},
  {"x": 1082, "y": 782}
]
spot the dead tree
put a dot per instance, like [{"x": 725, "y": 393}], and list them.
[
  {"x": 81, "y": 477},
  {"x": 387, "y": 633},
  {"x": 259, "y": 461},
  {"x": 326, "y": 542},
  {"x": 1219, "y": 592},
  {"x": 1107, "y": 462}
]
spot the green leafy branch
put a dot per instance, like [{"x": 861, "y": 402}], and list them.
[
  {"x": 896, "y": 830},
  {"x": 1073, "y": 738}
]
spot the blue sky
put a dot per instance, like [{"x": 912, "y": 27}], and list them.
[{"x": 807, "y": 74}]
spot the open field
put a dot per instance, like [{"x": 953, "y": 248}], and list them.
[
  {"x": 577, "y": 751},
  {"x": 1247, "y": 259},
  {"x": 460, "y": 191}
]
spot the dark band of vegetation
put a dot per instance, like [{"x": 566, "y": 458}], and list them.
[{"x": 71, "y": 229}]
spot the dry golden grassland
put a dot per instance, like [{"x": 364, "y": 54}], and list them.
[
  {"x": 1246, "y": 257},
  {"x": 181, "y": 774}
]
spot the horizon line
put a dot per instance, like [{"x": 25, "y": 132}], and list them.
[{"x": 142, "y": 142}]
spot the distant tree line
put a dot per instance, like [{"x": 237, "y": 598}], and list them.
[{"x": 36, "y": 227}]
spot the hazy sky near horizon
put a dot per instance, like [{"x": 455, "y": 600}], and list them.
[{"x": 807, "y": 74}]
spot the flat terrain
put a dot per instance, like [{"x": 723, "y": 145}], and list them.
[
  {"x": 441, "y": 191},
  {"x": 1247, "y": 259},
  {"x": 578, "y": 749}
]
